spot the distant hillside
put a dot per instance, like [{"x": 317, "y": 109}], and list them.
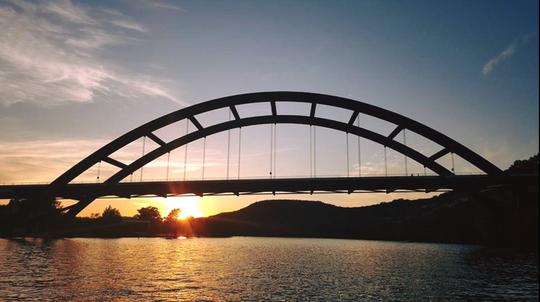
[{"x": 451, "y": 217}]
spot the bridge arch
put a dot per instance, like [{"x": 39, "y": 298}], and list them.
[{"x": 402, "y": 123}]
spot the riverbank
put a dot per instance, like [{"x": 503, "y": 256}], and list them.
[{"x": 487, "y": 219}]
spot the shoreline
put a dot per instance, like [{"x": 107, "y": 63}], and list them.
[{"x": 168, "y": 237}]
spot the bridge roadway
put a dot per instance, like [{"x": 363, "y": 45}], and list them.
[{"x": 80, "y": 191}]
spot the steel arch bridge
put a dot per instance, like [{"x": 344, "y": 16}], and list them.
[{"x": 86, "y": 193}]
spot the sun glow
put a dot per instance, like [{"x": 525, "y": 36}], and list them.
[{"x": 189, "y": 206}]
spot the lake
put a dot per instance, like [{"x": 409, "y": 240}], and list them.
[{"x": 260, "y": 269}]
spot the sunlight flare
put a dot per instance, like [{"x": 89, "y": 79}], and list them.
[{"x": 189, "y": 206}]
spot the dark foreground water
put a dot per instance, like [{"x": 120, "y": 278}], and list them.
[{"x": 259, "y": 269}]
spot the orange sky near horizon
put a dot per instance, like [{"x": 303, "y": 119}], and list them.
[{"x": 211, "y": 205}]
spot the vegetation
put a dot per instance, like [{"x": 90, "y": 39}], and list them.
[
  {"x": 172, "y": 223},
  {"x": 111, "y": 214},
  {"x": 150, "y": 214},
  {"x": 173, "y": 216},
  {"x": 528, "y": 166},
  {"x": 30, "y": 215}
]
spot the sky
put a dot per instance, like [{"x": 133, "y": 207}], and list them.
[{"x": 74, "y": 75}]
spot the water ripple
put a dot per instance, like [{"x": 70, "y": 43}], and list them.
[{"x": 260, "y": 269}]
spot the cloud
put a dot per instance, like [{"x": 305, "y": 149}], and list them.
[
  {"x": 66, "y": 10},
  {"x": 504, "y": 55},
  {"x": 51, "y": 52},
  {"x": 128, "y": 25},
  {"x": 161, "y": 4},
  {"x": 41, "y": 161}
]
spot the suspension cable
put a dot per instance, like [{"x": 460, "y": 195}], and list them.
[
  {"x": 347, "y": 146},
  {"x": 228, "y": 145},
  {"x": 314, "y": 151},
  {"x": 203, "y": 156},
  {"x": 405, "y": 156},
  {"x": 168, "y": 161},
  {"x": 310, "y": 151},
  {"x": 275, "y": 155},
  {"x": 239, "y": 148},
  {"x": 143, "y": 146},
  {"x": 271, "y": 148},
  {"x": 453, "y": 170},
  {"x": 385, "y": 163},
  {"x": 98, "y": 171},
  {"x": 359, "y": 150},
  {"x": 186, "y": 150}
]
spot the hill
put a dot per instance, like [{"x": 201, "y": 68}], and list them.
[{"x": 450, "y": 217}]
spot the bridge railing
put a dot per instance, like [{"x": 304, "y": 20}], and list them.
[{"x": 299, "y": 176}]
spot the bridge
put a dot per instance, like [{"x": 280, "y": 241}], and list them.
[{"x": 119, "y": 186}]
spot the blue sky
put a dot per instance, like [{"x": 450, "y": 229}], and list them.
[{"x": 76, "y": 74}]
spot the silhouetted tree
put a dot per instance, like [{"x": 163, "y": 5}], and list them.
[
  {"x": 150, "y": 214},
  {"x": 173, "y": 215},
  {"x": 111, "y": 214},
  {"x": 171, "y": 221},
  {"x": 527, "y": 166},
  {"x": 35, "y": 215}
]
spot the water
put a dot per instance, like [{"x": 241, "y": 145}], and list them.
[{"x": 259, "y": 269}]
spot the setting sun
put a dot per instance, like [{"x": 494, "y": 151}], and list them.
[{"x": 189, "y": 206}]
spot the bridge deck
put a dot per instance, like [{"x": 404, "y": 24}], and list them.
[{"x": 270, "y": 186}]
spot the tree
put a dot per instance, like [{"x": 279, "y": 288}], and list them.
[
  {"x": 111, "y": 214},
  {"x": 171, "y": 222},
  {"x": 31, "y": 215},
  {"x": 527, "y": 166},
  {"x": 149, "y": 214},
  {"x": 173, "y": 216}
]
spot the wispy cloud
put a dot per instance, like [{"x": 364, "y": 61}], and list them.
[
  {"x": 51, "y": 52},
  {"x": 504, "y": 55},
  {"x": 161, "y": 4},
  {"x": 44, "y": 160}
]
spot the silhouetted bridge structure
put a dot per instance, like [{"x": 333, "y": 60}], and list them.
[
  {"x": 116, "y": 185},
  {"x": 348, "y": 185}
]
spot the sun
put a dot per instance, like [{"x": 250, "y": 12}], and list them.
[{"x": 189, "y": 206}]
